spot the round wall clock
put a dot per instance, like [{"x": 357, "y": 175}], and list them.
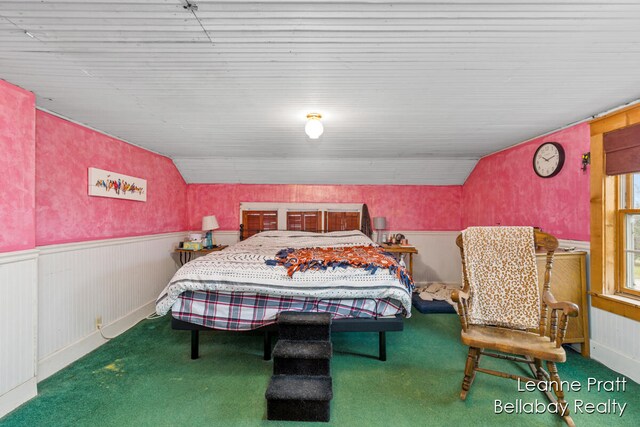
[{"x": 548, "y": 159}]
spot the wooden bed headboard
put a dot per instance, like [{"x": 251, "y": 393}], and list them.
[{"x": 318, "y": 217}]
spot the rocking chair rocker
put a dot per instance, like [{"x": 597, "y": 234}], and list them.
[{"x": 531, "y": 346}]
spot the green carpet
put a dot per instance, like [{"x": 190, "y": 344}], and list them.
[{"x": 145, "y": 377}]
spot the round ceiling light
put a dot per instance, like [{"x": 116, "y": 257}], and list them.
[{"x": 314, "y": 127}]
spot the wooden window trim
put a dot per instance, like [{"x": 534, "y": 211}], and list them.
[
  {"x": 628, "y": 183},
  {"x": 617, "y": 304},
  {"x": 605, "y": 222},
  {"x": 621, "y": 268}
]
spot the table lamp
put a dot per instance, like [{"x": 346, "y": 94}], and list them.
[
  {"x": 209, "y": 223},
  {"x": 380, "y": 224}
]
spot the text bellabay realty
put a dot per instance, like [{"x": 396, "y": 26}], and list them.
[{"x": 610, "y": 406}]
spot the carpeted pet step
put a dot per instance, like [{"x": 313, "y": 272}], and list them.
[
  {"x": 302, "y": 358},
  {"x": 304, "y": 326},
  {"x": 299, "y": 398}
]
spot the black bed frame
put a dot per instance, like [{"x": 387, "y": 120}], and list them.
[{"x": 381, "y": 325}]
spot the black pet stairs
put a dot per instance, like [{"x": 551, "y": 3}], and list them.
[{"x": 300, "y": 388}]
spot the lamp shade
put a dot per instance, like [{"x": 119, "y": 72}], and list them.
[
  {"x": 210, "y": 223},
  {"x": 380, "y": 223}
]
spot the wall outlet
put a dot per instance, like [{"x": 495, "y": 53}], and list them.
[{"x": 98, "y": 322}]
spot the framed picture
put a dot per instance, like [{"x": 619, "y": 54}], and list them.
[{"x": 103, "y": 183}]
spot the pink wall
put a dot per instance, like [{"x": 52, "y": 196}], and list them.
[
  {"x": 407, "y": 207},
  {"x": 17, "y": 163},
  {"x": 47, "y": 159},
  {"x": 65, "y": 213},
  {"x": 504, "y": 189}
]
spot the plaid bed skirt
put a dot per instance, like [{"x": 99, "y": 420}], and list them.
[{"x": 239, "y": 311}]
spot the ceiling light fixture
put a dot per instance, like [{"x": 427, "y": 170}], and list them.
[{"x": 314, "y": 127}]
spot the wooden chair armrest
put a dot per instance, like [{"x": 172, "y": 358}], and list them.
[
  {"x": 458, "y": 295},
  {"x": 568, "y": 308},
  {"x": 461, "y": 297}
]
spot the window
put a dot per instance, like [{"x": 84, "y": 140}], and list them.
[
  {"x": 615, "y": 213},
  {"x": 629, "y": 234}
]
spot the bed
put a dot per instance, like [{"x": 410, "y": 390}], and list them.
[{"x": 243, "y": 288}]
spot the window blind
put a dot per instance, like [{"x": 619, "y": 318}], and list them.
[{"x": 622, "y": 150}]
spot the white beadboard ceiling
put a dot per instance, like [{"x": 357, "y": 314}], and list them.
[{"x": 412, "y": 92}]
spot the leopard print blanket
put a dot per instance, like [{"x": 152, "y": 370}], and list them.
[{"x": 503, "y": 278}]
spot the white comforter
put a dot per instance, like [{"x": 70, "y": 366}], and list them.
[{"x": 242, "y": 267}]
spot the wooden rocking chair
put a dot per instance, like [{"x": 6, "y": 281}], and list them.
[{"x": 531, "y": 347}]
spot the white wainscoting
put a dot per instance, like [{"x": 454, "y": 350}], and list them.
[
  {"x": 615, "y": 342},
  {"x": 438, "y": 257},
  {"x": 228, "y": 237},
  {"x": 116, "y": 279},
  {"x": 18, "y": 328}
]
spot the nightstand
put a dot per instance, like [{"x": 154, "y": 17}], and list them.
[
  {"x": 187, "y": 255},
  {"x": 402, "y": 250}
]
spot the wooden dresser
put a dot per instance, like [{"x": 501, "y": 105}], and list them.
[{"x": 569, "y": 283}]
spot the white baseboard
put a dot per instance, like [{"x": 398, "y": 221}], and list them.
[
  {"x": 64, "y": 357},
  {"x": 17, "y": 396},
  {"x": 615, "y": 360}
]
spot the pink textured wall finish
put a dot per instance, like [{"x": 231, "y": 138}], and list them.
[
  {"x": 65, "y": 213},
  {"x": 504, "y": 189},
  {"x": 17, "y": 163},
  {"x": 406, "y": 207}
]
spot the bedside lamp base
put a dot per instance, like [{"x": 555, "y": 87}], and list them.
[{"x": 209, "y": 242}]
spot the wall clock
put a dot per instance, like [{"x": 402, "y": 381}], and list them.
[{"x": 548, "y": 159}]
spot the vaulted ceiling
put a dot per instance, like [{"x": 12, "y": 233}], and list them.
[{"x": 412, "y": 92}]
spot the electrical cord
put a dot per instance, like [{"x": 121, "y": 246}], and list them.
[
  {"x": 103, "y": 336},
  {"x": 152, "y": 316}
]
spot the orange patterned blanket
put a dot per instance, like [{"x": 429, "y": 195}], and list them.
[{"x": 370, "y": 258}]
